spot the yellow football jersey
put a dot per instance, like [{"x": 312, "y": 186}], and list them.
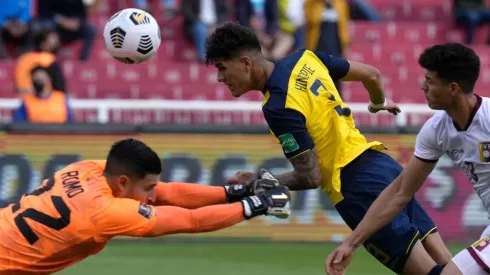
[{"x": 304, "y": 111}]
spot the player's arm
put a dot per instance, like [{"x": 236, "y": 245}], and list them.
[
  {"x": 399, "y": 193},
  {"x": 173, "y": 220},
  {"x": 289, "y": 126},
  {"x": 347, "y": 70},
  {"x": 306, "y": 174},
  {"x": 189, "y": 195},
  {"x": 126, "y": 217}
]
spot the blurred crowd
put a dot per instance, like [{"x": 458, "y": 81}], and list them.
[{"x": 32, "y": 32}]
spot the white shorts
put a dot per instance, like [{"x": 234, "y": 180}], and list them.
[{"x": 475, "y": 259}]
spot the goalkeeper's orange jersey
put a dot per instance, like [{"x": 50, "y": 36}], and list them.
[
  {"x": 67, "y": 218},
  {"x": 73, "y": 214}
]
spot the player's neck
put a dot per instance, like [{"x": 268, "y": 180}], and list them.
[
  {"x": 266, "y": 69},
  {"x": 111, "y": 184},
  {"x": 463, "y": 111}
]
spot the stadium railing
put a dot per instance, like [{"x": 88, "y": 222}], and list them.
[{"x": 103, "y": 107}]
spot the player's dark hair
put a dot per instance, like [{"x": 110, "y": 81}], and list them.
[
  {"x": 132, "y": 158},
  {"x": 228, "y": 41},
  {"x": 453, "y": 62}
]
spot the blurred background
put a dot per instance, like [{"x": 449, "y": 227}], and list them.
[{"x": 64, "y": 98}]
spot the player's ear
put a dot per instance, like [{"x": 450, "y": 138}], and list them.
[
  {"x": 246, "y": 61},
  {"x": 124, "y": 182},
  {"x": 454, "y": 88}
]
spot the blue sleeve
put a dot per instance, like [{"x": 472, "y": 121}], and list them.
[
  {"x": 337, "y": 67},
  {"x": 20, "y": 114},
  {"x": 289, "y": 126},
  {"x": 69, "y": 112},
  {"x": 25, "y": 16}
]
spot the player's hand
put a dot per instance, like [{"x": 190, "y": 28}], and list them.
[
  {"x": 273, "y": 202},
  {"x": 265, "y": 181},
  {"x": 339, "y": 259},
  {"x": 243, "y": 187},
  {"x": 390, "y": 106},
  {"x": 241, "y": 178}
]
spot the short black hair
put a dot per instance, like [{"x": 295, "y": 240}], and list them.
[
  {"x": 228, "y": 41},
  {"x": 41, "y": 36},
  {"x": 453, "y": 62},
  {"x": 132, "y": 158}
]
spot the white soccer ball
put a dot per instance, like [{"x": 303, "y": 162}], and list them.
[{"x": 132, "y": 36}]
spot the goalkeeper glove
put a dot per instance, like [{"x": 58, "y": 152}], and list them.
[
  {"x": 264, "y": 182},
  {"x": 273, "y": 202},
  {"x": 237, "y": 192}
]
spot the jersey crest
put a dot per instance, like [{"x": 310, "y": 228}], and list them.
[{"x": 484, "y": 148}]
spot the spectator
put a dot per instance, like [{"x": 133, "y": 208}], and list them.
[
  {"x": 91, "y": 6},
  {"x": 46, "y": 44},
  {"x": 15, "y": 16},
  {"x": 291, "y": 17},
  {"x": 169, "y": 7},
  {"x": 262, "y": 16},
  {"x": 471, "y": 14},
  {"x": 69, "y": 17},
  {"x": 45, "y": 105},
  {"x": 328, "y": 27},
  {"x": 201, "y": 18}
]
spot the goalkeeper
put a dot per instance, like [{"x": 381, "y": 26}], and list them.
[{"x": 73, "y": 214}]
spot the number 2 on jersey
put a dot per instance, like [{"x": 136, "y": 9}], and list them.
[
  {"x": 46, "y": 220},
  {"x": 314, "y": 90}
]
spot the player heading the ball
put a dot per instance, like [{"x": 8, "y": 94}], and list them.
[{"x": 318, "y": 135}]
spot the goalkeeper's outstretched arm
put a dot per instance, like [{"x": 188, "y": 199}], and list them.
[
  {"x": 173, "y": 220},
  {"x": 127, "y": 217},
  {"x": 192, "y": 196},
  {"x": 189, "y": 195}
]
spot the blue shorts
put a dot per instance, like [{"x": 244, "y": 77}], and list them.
[{"x": 362, "y": 181}]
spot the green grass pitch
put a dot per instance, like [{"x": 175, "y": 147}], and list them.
[{"x": 156, "y": 256}]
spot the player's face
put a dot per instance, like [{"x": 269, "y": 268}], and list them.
[
  {"x": 437, "y": 93},
  {"x": 51, "y": 44},
  {"x": 142, "y": 190},
  {"x": 236, "y": 74}
]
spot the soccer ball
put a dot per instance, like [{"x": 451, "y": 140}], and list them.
[{"x": 132, "y": 36}]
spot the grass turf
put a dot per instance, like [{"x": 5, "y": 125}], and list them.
[{"x": 127, "y": 257}]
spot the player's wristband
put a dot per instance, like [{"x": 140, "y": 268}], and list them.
[{"x": 377, "y": 106}]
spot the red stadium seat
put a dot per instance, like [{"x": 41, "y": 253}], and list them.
[{"x": 414, "y": 10}]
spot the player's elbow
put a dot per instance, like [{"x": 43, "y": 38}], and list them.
[
  {"x": 315, "y": 180},
  {"x": 373, "y": 75}
]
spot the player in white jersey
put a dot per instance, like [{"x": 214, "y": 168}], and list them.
[{"x": 461, "y": 130}]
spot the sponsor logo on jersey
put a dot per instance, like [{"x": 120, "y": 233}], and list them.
[
  {"x": 145, "y": 210},
  {"x": 288, "y": 143},
  {"x": 484, "y": 151},
  {"x": 455, "y": 154}
]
